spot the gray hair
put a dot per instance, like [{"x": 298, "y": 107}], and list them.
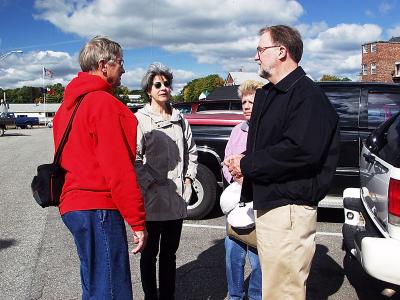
[
  {"x": 155, "y": 69},
  {"x": 98, "y": 48}
]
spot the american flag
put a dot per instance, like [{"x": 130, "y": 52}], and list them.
[{"x": 47, "y": 73}]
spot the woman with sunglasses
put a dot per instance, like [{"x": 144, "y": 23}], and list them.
[{"x": 166, "y": 164}]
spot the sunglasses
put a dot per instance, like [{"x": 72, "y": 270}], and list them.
[{"x": 158, "y": 84}]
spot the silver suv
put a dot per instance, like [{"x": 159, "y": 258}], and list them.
[{"x": 371, "y": 231}]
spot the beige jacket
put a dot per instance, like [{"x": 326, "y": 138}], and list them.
[{"x": 166, "y": 155}]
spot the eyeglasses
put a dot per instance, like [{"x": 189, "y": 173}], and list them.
[
  {"x": 158, "y": 84},
  {"x": 260, "y": 50},
  {"x": 118, "y": 61}
]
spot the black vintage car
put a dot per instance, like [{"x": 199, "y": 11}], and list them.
[{"x": 361, "y": 107}]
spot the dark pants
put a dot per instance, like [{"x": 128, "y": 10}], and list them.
[
  {"x": 100, "y": 239},
  {"x": 163, "y": 235}
]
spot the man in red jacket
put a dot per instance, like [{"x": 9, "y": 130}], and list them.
[{"x": 100, "y": 189}]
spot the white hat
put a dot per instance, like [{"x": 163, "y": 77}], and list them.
[
  {"x": 242, "y": 216},
  {"x": 230, "y": 197}
]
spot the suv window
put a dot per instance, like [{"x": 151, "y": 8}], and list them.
[
  {"x": 384, "y": 141},
  {"x": 390, "y": 152},
  {"x": 213, "y": 106},
  {"x": 382, "y": 106},
  {"x": 346, "y": 102}
]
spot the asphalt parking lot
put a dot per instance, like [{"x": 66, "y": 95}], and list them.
[{"x": 38, "y": 259}]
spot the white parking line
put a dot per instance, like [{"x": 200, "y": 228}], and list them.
[
  {"x": 204, "y": 226},
  {"x": 223, "y": 227},
  {"x": 329, "y": 233}
]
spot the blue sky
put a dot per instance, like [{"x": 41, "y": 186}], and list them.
[{"x": 194, "y": 38}]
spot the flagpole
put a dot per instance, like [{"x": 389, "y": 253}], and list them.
[{"x": 44, "y": 99}]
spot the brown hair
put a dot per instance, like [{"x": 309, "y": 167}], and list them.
[{"x": 288, "y": 37}]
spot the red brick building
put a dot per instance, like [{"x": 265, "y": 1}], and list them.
[{"x": 381, "y": 61}]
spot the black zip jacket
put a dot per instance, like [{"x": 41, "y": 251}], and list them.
[{"x": 292, "y": 145}]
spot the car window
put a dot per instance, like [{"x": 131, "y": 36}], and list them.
[
  {"x": 213, "y": 106},
  {"x": 237, "y": 105},
  {"x": 346, "y": 102},
  {"x": 385, "y": 141},
  {"x": 381, "y": 107},
  {"x": 184, "y": 108}
]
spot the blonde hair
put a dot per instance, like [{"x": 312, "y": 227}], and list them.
[{"x": 249, "y": 87}]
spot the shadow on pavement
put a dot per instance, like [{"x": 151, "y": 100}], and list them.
[
  {"x": 326, "y": 276},
  {"x": 203, "y": 278},
  {"x": 6, "y": 243},
  {"x": 7, "y": 134},
  {"x": 366, "y": 287}
]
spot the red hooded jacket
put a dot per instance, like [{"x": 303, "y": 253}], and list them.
[{"x": 100, "y": 152}]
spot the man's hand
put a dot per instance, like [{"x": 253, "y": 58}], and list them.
[
  {"x": 238, "y": 180},
  {"x": 139, "y": 238},
  {"x": 233, "y": 164}
]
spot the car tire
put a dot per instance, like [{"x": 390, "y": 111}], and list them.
[
  {"x": 204, "y": 194},
  {"x": 28, "y": 126},
  {"x": 1, "y": 131}
]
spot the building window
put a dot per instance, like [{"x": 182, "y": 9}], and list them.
[
  {"x": 365, "y": 69},
  {"x": 373, "y": 47},
  {"x": 397, "y": 69},
  {"x": 365, "y": 48},
  {"x": 373, "y": 68}
]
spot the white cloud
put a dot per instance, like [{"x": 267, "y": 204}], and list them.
[
  {"x": 311, "y": 30},
  {"x": 343, "y": 37},
  {"x": 385, "y": 7},
  {"x": 341, "y": 64},
  {"x": 165, "y": 22},
  {"x": 26, "y": 69},
  {"x": 206, "y": 29},
  {"x": 222, "y": 33},
  {"x": 337, "y": 50},
  {"x": 369, "y": 13},
  {"x": 394, "y": 31}
]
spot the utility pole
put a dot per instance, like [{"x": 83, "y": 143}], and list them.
[{"x": 4, "y": 101}]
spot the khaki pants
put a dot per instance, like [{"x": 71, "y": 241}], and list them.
[{"x": 286, "y": 246}]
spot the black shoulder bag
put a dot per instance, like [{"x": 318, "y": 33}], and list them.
[{"x": 48, "y": 183}]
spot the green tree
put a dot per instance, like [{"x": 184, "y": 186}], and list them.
[
  {"x": 121, "y": 93},
  {"x": 192, "y": 90},
  {"x": 328, "y": 77},
  {"x": 55, "y": 93}
]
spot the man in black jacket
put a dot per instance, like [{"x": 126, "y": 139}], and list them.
[{"x": 291, "y": 157}]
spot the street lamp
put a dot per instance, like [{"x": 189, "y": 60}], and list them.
[{"x": 3, "y": 56}]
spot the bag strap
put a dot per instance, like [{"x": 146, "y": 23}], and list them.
[{"x": 57, "y": 156}]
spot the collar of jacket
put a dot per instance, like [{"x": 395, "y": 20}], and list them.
[
  {"x": 160, "y": 121},
  {"x": 245, "y": 126},
  {"x": 290, "y": 80}
]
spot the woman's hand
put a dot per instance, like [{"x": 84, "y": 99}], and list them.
[{"x": 187, "y": 190}]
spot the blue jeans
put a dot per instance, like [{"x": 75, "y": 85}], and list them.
[
  {"x": 100, "y": 238},
  {"x": 235, "y": 259}
]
